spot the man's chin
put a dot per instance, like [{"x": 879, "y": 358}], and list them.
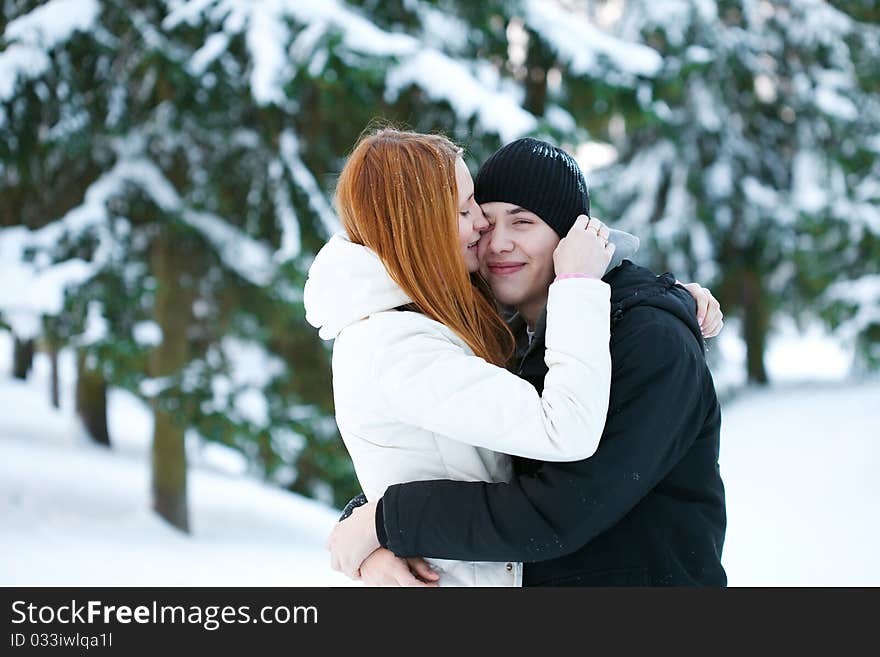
[{"x": 503, "y": 295}]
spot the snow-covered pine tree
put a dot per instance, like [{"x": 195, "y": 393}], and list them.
[
  {"x": 747, "y": 157},
  {"x": 852, "y": 300}
]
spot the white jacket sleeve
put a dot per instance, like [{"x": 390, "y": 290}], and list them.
[{"x": 430, "y": 382}]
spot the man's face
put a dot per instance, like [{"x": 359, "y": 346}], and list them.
[{"x": 516, "y": 254}]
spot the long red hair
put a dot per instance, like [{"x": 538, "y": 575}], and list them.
[{"x": 397, "y": 196}]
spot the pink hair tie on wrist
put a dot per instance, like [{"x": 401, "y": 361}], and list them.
[{"x": 561, "y": 277}]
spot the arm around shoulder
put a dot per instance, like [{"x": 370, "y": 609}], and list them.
[{"x": 428, "y": 379}]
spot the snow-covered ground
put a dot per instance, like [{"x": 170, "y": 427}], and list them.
[
  {"x": 800, "y": 468},
  {"x": 799, "y": 464},
  {"x": 73, "y": 513}
]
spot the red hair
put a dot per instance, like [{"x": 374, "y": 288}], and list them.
[{"x": 397, "y": 196}]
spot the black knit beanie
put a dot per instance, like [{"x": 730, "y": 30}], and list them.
[{"x": 538, "y": 177}]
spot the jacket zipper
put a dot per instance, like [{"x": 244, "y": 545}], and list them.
[{"x": 528, "y": 352}]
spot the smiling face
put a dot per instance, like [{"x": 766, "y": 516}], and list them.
[
  {"x": 516, "y": 256},
  {"x": 471, "y": 221}
]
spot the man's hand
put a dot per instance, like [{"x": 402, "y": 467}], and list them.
[
  {"x": 709, "y": 313},
  {"x": 384, "y": 568},
  {"x": 353, "y": 540}
]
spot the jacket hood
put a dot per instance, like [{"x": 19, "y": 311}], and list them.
[
  {"x": 626, "y": 246},
  {"x": 633, "y": 286},
  {"x": 346, "y": 283}
]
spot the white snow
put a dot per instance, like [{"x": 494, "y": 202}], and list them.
[
  {"x": 266, "y": 38},
  {"x": 760, "y": 195},
  {"x": 30, "y": 290},
  {"x": 833, "y": 103},
  {"x": 20, "y": 60},
  {"x": 641, "y": 178},
  {"x": 864, "y": 293},
  {"x": 560, "y": 118},
  {"x": 252, "y": 406},
  {"x": 289, "y": 151},
  {"x": 250, "y": 364},
  {"x": 147, "y": 333},
  {"x": 41, "y": 29},
  {"x": 96, "y": 324},
  {"x": 592, "y": 155},
  {"x": 793, "y": 355},
  {"x": 809, "y": 174},
  {"x": 582, "y": 45},
  {"x": 720, "y": 179},
  {"x": 800, "y": 470},
  {"x": 291, "y": 240},
  {"x": 805, "y": 355},
  {"x": 443, "y": 78},
  {"x": 442, "y": 29},
  {"x": 272, "y": 47},
  {"x": 250, "y": 369},
  {"x": 249, "y": 258},
  {"x": 214, "y": 46},
  {"x": 53, "y": 22},
  {"x": 706, "y": 107},
  {"x": 75, "y": 514}
]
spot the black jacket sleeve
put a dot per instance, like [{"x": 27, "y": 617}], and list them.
[{"x": 655, "y": 414}]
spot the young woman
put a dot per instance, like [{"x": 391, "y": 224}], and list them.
[{"x": 419, "y": 383}]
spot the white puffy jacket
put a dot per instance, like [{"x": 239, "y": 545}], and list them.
[{"x": 414, "y": 403}]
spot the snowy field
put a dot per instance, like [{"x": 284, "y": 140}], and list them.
[
  {"x": 799, "y": 463},
  {"x": 74, "y": 513},
  {"x": 800, "y": 468}
]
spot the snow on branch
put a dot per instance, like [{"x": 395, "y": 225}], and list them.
[
  {"x": 274, "y": 50},
  {"x": 249, "y": 258},
  {"x": 289, "y": 147},
  {"x": 445, "y": 79},
  {"x": 40, "y": 30},
  {"x": 581, "y": 45},
  {"x": 864, "y": 293},
  {"x": 30, "y": 291}
]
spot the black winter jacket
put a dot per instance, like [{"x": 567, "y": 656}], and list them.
[{"x": 647, "y": 509}]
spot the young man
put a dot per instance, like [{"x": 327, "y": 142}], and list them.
[{"x": 648, "y": 508}]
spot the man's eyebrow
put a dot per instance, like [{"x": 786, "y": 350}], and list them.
[{"x": 516, "y": 210}]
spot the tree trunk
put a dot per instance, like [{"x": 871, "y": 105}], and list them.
[
  {"x": 539, "y": 60},
  {"x": 169, "y": 468},
  {"x": 23, "y": 358},
  {"x": 91, "y": 399},
  {"x": 756, "y": 325},
  {"x": 53, "y": 382},
  {"x": 172, "y": 310}
]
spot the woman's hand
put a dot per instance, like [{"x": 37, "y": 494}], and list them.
[
  {"x": 353, "y": 540},
  {"x": 585, "y": 250},
  {"x": 384, "y": 568},
  {"x": 709, "y": 313}
]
